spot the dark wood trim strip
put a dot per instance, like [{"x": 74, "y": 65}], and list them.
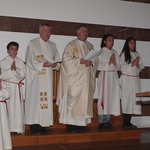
[
  {"x": 141, "y": 1},
  {"x": 26, "y": 25},
  {"x": 145, "y": 73}
]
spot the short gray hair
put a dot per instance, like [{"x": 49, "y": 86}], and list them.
[{"x": 45, "y": 24}]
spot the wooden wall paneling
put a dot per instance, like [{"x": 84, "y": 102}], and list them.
[
  {"x": 55, "y": 83},
  {"x": 146, "y": 109},
  {"x": 28, "y": 25},
  {"x": 141, "y": 1},
  {"x": 145, "y": 73}
]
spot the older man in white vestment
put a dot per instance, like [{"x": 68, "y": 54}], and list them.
[
  {"x": 76, "y": 84},
  {"x": 39, "y": 81}
]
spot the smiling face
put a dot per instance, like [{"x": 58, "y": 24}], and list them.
[
  {"x": 109, "y": 42},
  {"x": 45, "y": 33},
  {"x": 82, "y": 33},
  {"x": 12, "y": 51},
  {"x": 132, "y": 45}
]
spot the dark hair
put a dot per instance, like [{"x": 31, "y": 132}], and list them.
[
  {"x": 104, "y": 39},
  {"x": 126, "y": 49},
  {"x": 45, "y": 24},
  {"x": 12, "y": 44}
]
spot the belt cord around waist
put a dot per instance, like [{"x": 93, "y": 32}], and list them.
[{"x": 19, "y": 85}]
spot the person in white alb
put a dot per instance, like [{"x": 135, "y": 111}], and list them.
[
  {"x": 131, "y": 65},
  {"x": 5, "y": 137},
  {"x": 76, "y": 84},
  {"x": 108, "y": 83},
  {"x": 13, "y": 72},
  {"x": 39, "y": 81}
]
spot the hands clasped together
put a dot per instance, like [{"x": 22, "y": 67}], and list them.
[
  {"x": 136, "y": 62},
  {"x": 46, "y": 64},
  {"x": 86, "y": 62},
  {"x": 112, "y": 60}
]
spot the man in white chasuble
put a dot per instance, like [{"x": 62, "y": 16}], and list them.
[
  {"x": 76, "y": 84},
  {"x": 39, "y": 81}
]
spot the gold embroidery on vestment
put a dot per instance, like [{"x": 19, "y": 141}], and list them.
[
  {"x": 43, "y": 96},
  {"x": 42, "y": 72},
  {"x": 40, "y": 57},
  {"x": 75, "y": 53},
  {"x": 44, "y": 106}
]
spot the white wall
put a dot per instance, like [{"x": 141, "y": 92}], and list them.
[
  {"x": 105, "y": 12},
  {"x": 110, "y": 12}
]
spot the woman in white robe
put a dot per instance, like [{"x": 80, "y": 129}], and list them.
[
  {"x": 108, "y": 84},
  {"x": 131, "y": 65},
  {"x": 13, "y": 72},
  {"x": 5, "y": 137}
]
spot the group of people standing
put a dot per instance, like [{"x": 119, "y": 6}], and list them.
[
  {"x": 76, "y": 84},
  {"x": 111, "y": 90}
]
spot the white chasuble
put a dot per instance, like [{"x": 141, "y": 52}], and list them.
[
  {"x": 76, "y": 85},
  {"x": 39, "y": 82}
]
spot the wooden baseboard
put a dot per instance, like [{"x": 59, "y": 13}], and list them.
[{"x": 60, "y": 135}]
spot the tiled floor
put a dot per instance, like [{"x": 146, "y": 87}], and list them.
[{"x": 142, "y": 144}]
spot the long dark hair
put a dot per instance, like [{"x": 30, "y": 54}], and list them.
[
  {"x": 126, "y": 49},
  {"x": 104, "y": 39}
]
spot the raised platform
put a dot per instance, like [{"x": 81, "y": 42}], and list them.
[{"x": 60, "y": 135}]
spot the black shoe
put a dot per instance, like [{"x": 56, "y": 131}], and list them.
[
  {"x": 71, "y": 128},
  {"x": 133, "y": 126},
  {"x": 35, "y": 128},
  {"x": 127, "y": 126},
  {"x": 108, "y": 126},
  {"x": 130, "y": 126},
  {"x": 36, "y": 132},
  {"x": 15, "y": 133},
  {"x": 82, "y": 129},
  {"x": 44, "y": 130},
  {"x": 101, "y": 126}
]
